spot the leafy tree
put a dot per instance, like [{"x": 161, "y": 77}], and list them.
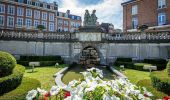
[{"x": 41, "y": 27}]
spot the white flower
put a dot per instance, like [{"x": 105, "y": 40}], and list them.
[
  {"x": 41, "y": 91},
  {"x": 54, "y": 90},
  {"x": 72, "y": 83},
  {"x": 141, "y": 97},
  {"x": 31, "y": 95}
]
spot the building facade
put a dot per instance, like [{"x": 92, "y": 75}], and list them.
[
  {"x": 67, "y": 22},
  {"x": 27, "y": 14},
  {"x": 153, "y": 13}
]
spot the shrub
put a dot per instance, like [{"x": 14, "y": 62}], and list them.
[
  {"x": 21, "y": 91},
  {"x": 160, "y": 63},
  {"x": 12, "y": 81},
  {"x": 147, "y": 83},
  {"x": 139, "y": 66},
  {"x": 7, "y": 63},
  {"x": 124, "y": 59},
  {"x": 168, "y": 68},
  {"x": 126, "y": 64},
  {"x": 161, "y": 81}
]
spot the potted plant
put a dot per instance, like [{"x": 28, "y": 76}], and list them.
[
  {"x": 142, "y": 28},
  {"x": 40, "y": 27}
]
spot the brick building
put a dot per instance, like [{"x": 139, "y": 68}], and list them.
[
  {"x": 28, "y": 14},
  {"x": 153, "y": 13},
  {"x": 67, "y": 22}
]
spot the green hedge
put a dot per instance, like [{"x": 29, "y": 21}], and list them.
[
  {"x": 40, "y": 58},
  {"x": 139, "y": 66},
  {"x": 42, "y": 63},
  {"x": 10, "y": 82},
  {"x": 126, "y": 64},
  {"x": 168, "y": 68},
  {"x": 7, "y": 63},
  {"x": 160, "y": 63},
  {"x": 124, "y": 59},
  {"x": 21, "y": 91},
  {"x": 161, "y": 81},
  {"x": 147, "y": 83}
]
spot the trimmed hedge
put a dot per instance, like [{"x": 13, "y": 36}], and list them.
[
  {"x": 7, "y": 63},
  {"x": 21, "y": 91},
  {"x": 44, "y": 60},
  {"x": 161, "y": 81},
  {"x": 12, "y": 81},
  {"x": 124, "y": 59},
  {"x": 139, "y": 66},
  {"x": 147, "y": 83},
  {"x": 126, "y": 64},
  {"x": 168, "y": 68},
  {"x": 40, "y": 58},
  {"x": 160, "y": 63}
]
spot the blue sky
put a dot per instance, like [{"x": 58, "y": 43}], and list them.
[{"x": 107, "y": 11}]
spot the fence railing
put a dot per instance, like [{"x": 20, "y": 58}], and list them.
[
  {"x": 149, "y": 36},
  {"x": 21, "y": 35}
]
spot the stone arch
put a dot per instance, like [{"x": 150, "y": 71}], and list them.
[{"x": 89, "y": 55}]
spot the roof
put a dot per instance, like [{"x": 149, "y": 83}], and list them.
[{"x": 127, "y": 2}]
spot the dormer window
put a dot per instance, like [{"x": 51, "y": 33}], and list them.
[
  {"x": 161, "y": 4},
  {"x": 45, "y": 5},
  {"x": 29, "y": 2},
  {"x": 37, "y": 4}
]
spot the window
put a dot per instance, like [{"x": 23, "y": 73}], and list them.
[
  {"x": 78, "y": 18},
  {"x": 36, "y": 23},
  {"x": 19, "y": 22},
  {"x": 1, "y": 20},
  {"x": 36, "y": 14},
  {"x": 20, "y": 1},
  {"x": 44, "y": 24},
  {"x": 65, "y": 29},
  {"x": 28, "y": 23},
  {"x": 20, "y": 11},
  {"x": 10, "y": 21},
  {"x": 134, "y": 22},
  {"x": 2, "y": 8},
  {"x": 51, "y": 27},
  {"x": 134, "y": 10},
  {"x": 45, "y": 5},
  {"x": 60, "y": 22},
  {"x": 44, "y": 15},
  {"x": 11, "y": 10},
  {"x": 29, "y": 2},
  {"x": 161, "y": 18},
  {"x": 72, "y": 17},
  {"x": 65, "y": 23},
  {"x": 29, "y": 13},
  {"x": 161, "y": 4},
  {"x": 60, "y": 14},
  {"x": 51, "y": 17},
  {"x": 37, "y": 4}
]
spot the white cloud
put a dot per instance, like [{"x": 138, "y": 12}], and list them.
[{"x": 108, "y": 11}]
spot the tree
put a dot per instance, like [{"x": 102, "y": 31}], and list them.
[
  {"x": 41, "y": 27},
  {"x": 142, "y": 28}
]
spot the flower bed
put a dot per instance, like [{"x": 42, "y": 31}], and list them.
[{"x": 92, "y": 87}]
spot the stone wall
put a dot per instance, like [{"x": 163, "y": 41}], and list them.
[{"x": 71, "y": 52}]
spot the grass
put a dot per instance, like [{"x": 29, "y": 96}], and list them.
[
  {"x": 142, "y": 78},
  {"x": 74, "y": 73},
  {"x": 21, "y": 91},
  {"x": 44, "y": 75}
]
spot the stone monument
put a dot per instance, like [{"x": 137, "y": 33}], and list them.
[{"x": 90, "y": 21}]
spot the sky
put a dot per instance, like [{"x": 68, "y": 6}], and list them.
[{"x": 107, "y": 11}]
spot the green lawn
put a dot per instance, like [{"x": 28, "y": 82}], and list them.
[
  {"x": 44, "y": 75},
  {"x": 142, "y": 78},
  {"x": 74, "y": 73}
]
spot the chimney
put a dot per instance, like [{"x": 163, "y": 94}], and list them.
[{"x": 68, "y": 12}]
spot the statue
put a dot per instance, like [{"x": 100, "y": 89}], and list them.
[
  {"x": 90, "y": 20},
  {"x": 93, "y": 18}
]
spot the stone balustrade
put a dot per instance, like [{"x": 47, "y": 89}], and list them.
[
  {"x": 149, "y": 36},
  {"x": 23, "y": 35}
]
